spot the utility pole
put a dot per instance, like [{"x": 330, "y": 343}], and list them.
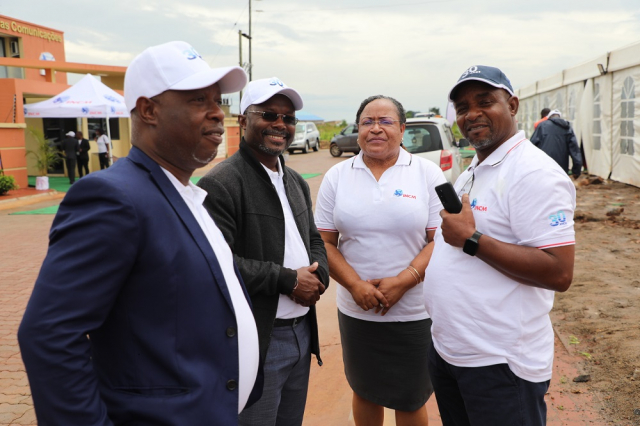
[{"x": 250, "y": 61}]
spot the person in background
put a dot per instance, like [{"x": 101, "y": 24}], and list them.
[
  {"x": 377, "y": 214},
  {"x": 497, "y": 264},
  {"x": 138, "y": 316},
  {"x": 69, "y": 148},
  {"x": 544, "y": 115},
  {"x": 556, "y": 138},
  {"x": 264, "y": 211},
  {"x": 83, "y": 154},
  {"x": 104, "y": 147}
]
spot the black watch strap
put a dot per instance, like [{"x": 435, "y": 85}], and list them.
[{"x": 471, "y": 245}]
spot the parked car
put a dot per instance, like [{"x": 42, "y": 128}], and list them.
[
  {"x": 432, "y": 138},
  {"x": 345, "y": 141},
  {"x": 307, "y": 136}
]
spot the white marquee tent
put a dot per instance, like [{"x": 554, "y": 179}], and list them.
[
  {"x": 88, "y": 98},
  {"x": 599, "y": 99}
]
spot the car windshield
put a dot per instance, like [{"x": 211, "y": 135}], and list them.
[
  {"x": 422, "y": 138},
  {"x": 299, "y": 128}
]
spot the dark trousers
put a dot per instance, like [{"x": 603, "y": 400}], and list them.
[
  {"x": 83, "y": 162},
  {"x": 486, "y": 396},
  {"x": 104, "y": 160},
  {"x": 71, "y": 169}
]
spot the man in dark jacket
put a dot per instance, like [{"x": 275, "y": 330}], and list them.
[
  {"x": 70, "y": 149},
  {"x": 83, "y": 154},
  {"x": 263, "y": 209},
  {"x": 555, "y": 137}
]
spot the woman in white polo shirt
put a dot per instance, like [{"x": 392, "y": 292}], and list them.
[{"x": 377, "y": 214}]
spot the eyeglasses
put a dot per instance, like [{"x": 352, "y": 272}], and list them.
[
  {"x": 272, "y": 116},
  {"x": 466, "y": 188},
  {"x": 383, "y": 122}
]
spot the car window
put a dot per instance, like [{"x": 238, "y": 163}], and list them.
[
  {"x": 299, "y": 128},
  {"x": 422, "y": 138},
  {"x": 348, "y": 130},
  {"x": 309, "y": 127}
]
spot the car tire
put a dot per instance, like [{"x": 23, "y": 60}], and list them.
[
  {"x": 334, "y": 150},
  {"x": 306, "y": 147},
  {"x": 316, "y": 147},
  {"x": 290, "y": 151}
]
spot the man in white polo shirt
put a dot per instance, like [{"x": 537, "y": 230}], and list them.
[{"x": 496, "y": 265}]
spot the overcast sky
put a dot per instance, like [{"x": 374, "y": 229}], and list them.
[{"x": 338, "y": 52}]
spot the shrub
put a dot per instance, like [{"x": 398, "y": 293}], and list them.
[{"x": 7, "y": 183}]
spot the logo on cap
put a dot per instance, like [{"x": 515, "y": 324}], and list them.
[
  {"x": 191, "y": 54},
  {"x": 85, "y": 110},
  {"x": 471, "y": 70},
  {"x": 276, "y": 82}
]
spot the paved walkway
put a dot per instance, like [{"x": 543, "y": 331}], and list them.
[{"x": 24, "y": 244}]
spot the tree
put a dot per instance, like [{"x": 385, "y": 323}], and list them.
[{"x": 435, "y": 110}]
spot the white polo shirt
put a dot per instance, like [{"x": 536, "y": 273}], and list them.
[
  {"x": 382, "y": 224},
  {"x": 481, "y": 317},
  {"x": 248, "y": 352}
]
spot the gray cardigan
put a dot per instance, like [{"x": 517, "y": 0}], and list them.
[{"x": 246, "y": 207}]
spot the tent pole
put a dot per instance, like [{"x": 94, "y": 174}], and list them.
[{"x": 110, "y": 144}]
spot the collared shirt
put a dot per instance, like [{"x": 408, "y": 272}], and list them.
[
  {"x": 382, "y": 223},
  {"x": 248, "y": 355},
  {"x": 295, "y": 252},
  {"x": 518, "y": 195}
]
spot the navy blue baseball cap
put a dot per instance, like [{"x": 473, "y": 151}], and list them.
[{"x": 489, "y": 75}]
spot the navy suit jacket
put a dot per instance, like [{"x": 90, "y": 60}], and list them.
[{"x": 130, "y": 321}]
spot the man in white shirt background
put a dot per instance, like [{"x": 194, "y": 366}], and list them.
[{"x": 104, "y": 147}]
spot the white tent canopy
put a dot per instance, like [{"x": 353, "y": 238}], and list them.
[{"x": 87, "y": 98}]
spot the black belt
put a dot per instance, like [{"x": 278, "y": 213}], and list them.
[{"x": 288, "y": 322}]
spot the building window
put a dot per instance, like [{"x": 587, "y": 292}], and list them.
[
  {"x": 597, "y": 116},
  {"x": 627, "y": 101},
  {"x": 101, "y": 123},
  {"x": 3, "y": 54}
]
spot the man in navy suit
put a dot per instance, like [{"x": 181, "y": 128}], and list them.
[{"x": 147, "y": 322}]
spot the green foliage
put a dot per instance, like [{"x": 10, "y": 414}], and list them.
[
  {"x": 7, "y": 183},
  {"x": 327, "y": 130},
  {"x": 411, "y": 114},
  {"x": 456, "y": 131},
  {"x": 45, "y": 154},
  {"x": 435, "y": 110},
  {"x": 573, "y": 340}
]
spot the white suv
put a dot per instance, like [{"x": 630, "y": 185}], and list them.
[
  {"x": 307, "y": 137},
  {"x": 431, "y": 138}
]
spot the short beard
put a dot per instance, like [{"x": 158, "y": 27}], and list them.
[
  {"x": 482, "y": 144},
  {"x": 207, "y": 161},
  {"x": 270, "y": 151}
]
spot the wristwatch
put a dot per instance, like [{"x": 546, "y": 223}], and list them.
[{"x": 471, "y": 245}]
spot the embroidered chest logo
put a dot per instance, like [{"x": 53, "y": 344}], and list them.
[
  {"x": 400, "y": 194},
  {"x": 477, "y": 207},
  {"x": 558, "y": 219}
]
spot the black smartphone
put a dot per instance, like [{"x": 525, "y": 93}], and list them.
[{"x": 449, "y": 198}]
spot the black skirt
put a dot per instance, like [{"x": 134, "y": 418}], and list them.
[{"x": 386, "y": 362}]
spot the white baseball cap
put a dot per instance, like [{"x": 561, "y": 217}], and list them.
[
  {"x": 554, "y": 112},
  {"x": 72, "y": 134},
  {"x": 175, "y": 66},
  {"x": 259, "y": 91}
]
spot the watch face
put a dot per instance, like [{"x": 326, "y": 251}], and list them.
[{"x": 471, "y": 244}]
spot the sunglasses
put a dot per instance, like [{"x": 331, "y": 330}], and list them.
[{"x": 272, "y": 117}]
